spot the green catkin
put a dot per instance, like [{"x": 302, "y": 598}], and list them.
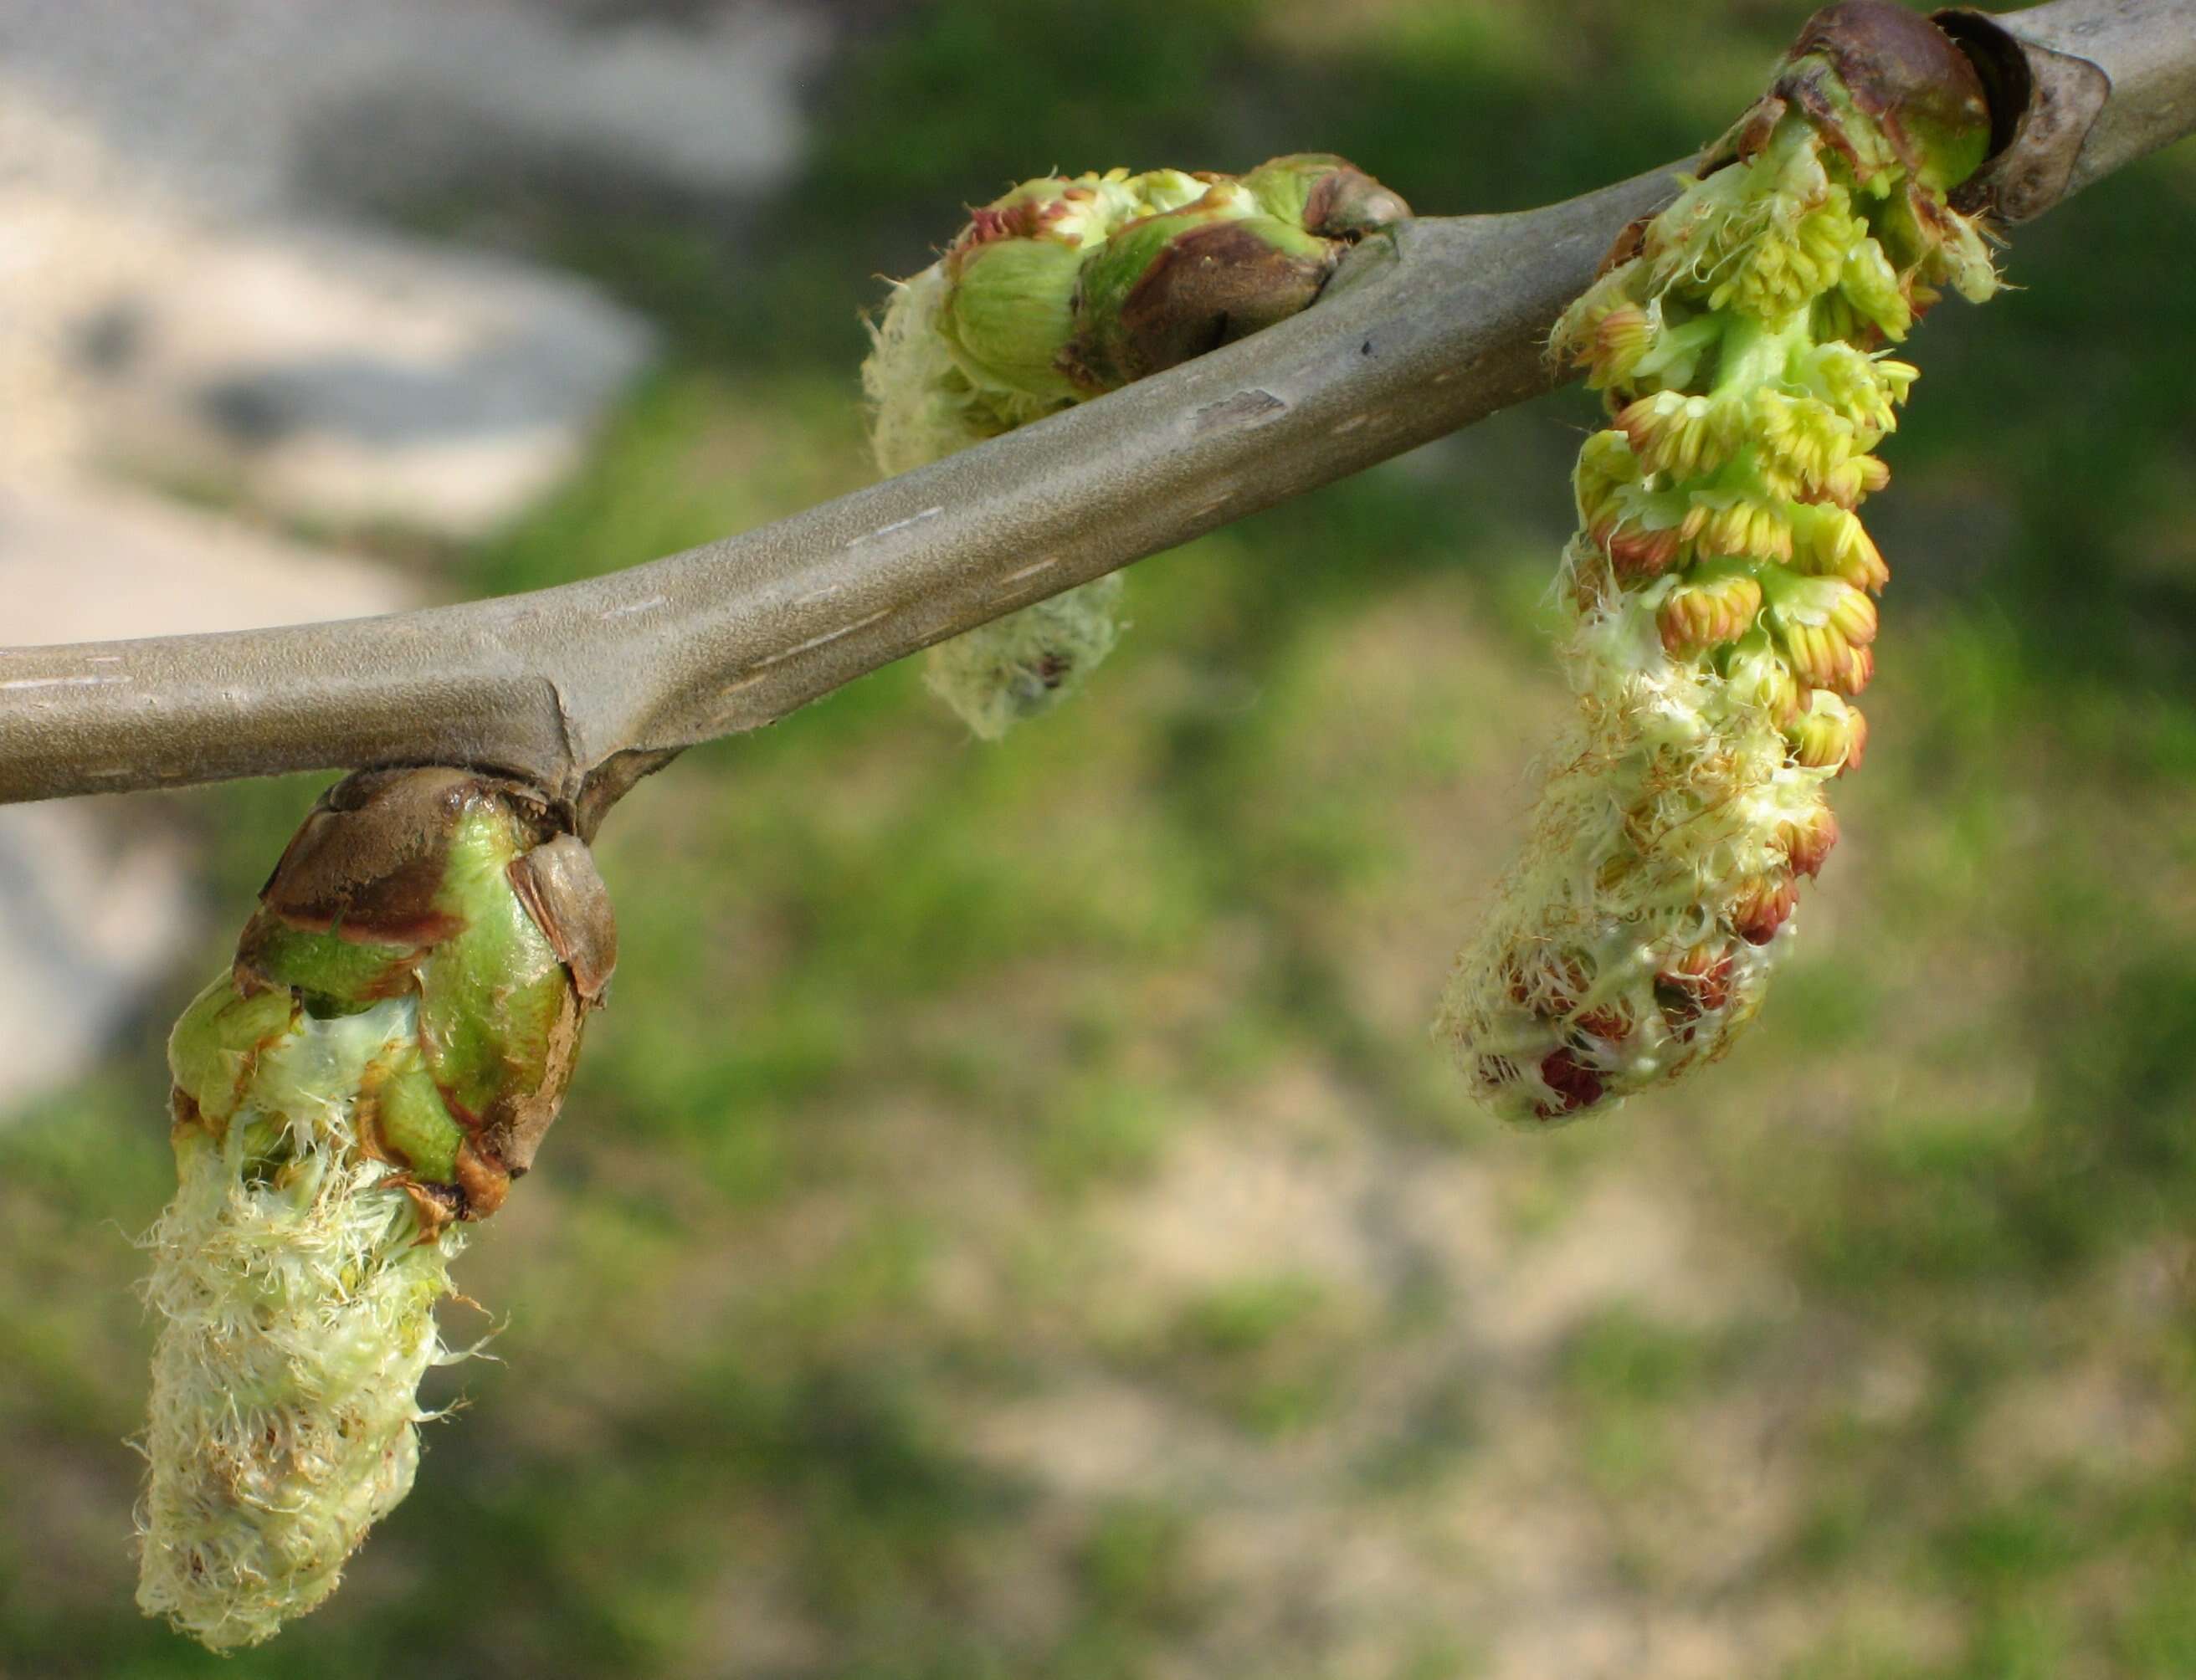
[
  {"x": 378, "y": 1065},
  {"x": 297, "y": 1296},
  {"x": 1719, "y": 590},
  {"x": 1059, "y": 291}
]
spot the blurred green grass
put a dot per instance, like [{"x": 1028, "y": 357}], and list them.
[{"x": 1011, "y": 1221}]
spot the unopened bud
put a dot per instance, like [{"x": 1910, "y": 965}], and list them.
[
  {"x": 1170, "y": 287},
  {"x": 1700, "y": 616},
  {"x": 1825, "y": 625},
  {"x": 1748, "y": 528},
  {"x": 1922, "y": 93},
  {"x": 1807, "y": 842},
  {"x": 1829, "y": 734},
  {"x": 1326, "y": 195},
  {"x": 1685, "y": 437},
  {"x": 1064, "y": 289},
  {"x": 1830, "y": 541},
  {"x": 1010, "y": 312},
  {"x": 1764, "y": 907}
]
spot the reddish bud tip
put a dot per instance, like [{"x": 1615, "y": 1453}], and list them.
[
  {"x": 1857, "y": 747},
  {"x": 1808, "y": 845},
  {"x": 1764, "y": 909}
]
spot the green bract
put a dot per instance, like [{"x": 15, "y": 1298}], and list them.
[
  {"x": 1063, "y": 290},
  {"x": 379, "y": 1063},
  {"x": 1720, "y": 583}
]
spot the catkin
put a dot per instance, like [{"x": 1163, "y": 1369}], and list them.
[
  {"x": 1061, "y": 291},
  {"x": 373, "y": 1070},
  {"x": 1719, "y": 593},
  {"x": 295, "y": 1294}
]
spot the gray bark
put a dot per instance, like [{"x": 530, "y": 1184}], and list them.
[{"x": 582, "y": 689}]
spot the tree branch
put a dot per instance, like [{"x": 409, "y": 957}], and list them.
[
  {"x": 582, "y": 689},
  {"x": 2077, "y": 89}
]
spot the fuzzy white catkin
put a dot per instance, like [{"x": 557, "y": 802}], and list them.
[
  {"x": 1667, "y": 798},
  {"x": 297, "y": 1303},
  {"x": 920, "y": 403},
  {"x": 924, "y": 409}
]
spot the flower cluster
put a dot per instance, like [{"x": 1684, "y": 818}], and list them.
[
  {"x": 1065, "y": 289},
  {"x": 380, "y": 1062},
  {"x": 296, "y": 1293},
  {"x": 1721, "y": 587}
]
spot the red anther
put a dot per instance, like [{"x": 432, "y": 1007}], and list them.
[
  {"x": 1027, "y": 219},
  {"x": 985, "y": 225},
  {"x": 1576, "y": 1085},
  {"x": 1610, "y": 1021},
  {"x": 1544, "y": 983},
  {"x": 1697, "y": 984},
  {"x": 1514, "y": 982},
  {"x": 1678, "y": 638}
]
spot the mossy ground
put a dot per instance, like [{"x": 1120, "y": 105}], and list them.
[{"x": 1011, "y": 1221}]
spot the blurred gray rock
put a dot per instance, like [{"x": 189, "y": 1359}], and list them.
[
  {"x": 84, "y": 561},
  {"x": 193, "y": 287},
  {"x": 350, "y": 377},
  {"x": 93, "y": 910},
  {"x": 239, "y": 103}
]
